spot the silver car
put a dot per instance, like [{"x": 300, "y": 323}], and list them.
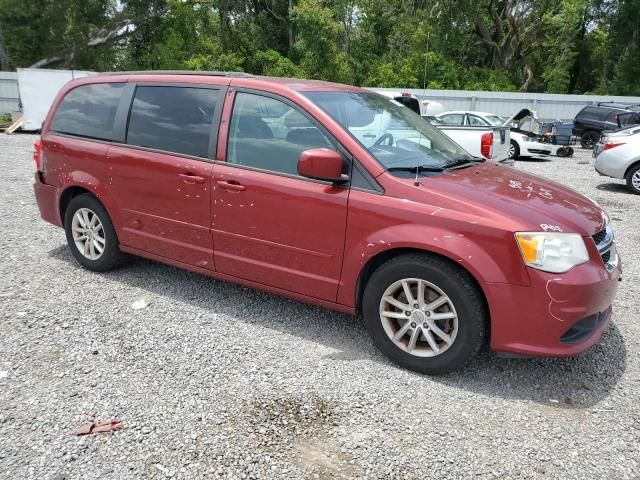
[{"x": 618, "y": 155}]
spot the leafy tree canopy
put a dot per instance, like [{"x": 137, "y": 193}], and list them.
[{"x": 558, "y": 46}]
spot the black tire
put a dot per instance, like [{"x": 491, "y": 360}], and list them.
[
  {"x": 589, "y": 139},
  {"x": 514, "y": 151},
  {"x": 456, "y": 283},
  {"x": 111, "y": 256},
  {"x": 635, "y": 170}
]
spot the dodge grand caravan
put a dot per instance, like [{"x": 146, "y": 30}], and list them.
[{"x": 296, "y": 187}]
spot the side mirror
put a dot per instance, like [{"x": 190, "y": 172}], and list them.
[{"x": 322, "y": 164}]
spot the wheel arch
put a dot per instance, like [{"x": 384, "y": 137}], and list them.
[
  {"x": 69, "y": 194},
  {"x": 379, "y": 259},
  {"x": 631, "y": 166}
]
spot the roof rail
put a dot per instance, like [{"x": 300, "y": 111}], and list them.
[
  {"x": 181, "y": 72},
  {"x": 623, "y": 106}
]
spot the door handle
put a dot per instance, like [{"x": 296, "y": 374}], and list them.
[
  {"x": 191, "y": 178},
  {"x": 231, "y": 185},
  {"x": 369, "y": 135}
]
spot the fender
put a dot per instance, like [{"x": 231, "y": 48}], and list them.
[
  {"x": 501, "y": 265},
  {"x": 82, "y": 179}
]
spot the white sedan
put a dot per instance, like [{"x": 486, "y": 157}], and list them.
[
  {"x": 524, "y": 143},
  {"x": 618, "y": 156}
]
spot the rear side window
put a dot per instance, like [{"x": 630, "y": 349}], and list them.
[
  {"x": 452, "y": 119},
  {"x": 594, "y": 113},
  {"x": 476, "y": 121},
  {"x": 173, "y": 119},
  {"x": 89, "y": 111}
]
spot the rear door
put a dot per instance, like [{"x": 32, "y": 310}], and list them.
[{"x": 161, "y": 177}]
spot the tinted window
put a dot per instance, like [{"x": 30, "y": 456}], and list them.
[
  {"x": 173, "y": 119},
  {"x": 89, "y": 111},
  {"x": 258, "y": 139},
  {"x": 594, "y": 113},
  {"x": 409, "y": 102}
]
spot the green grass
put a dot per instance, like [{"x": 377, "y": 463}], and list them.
[{"x": 5, "y": 118}]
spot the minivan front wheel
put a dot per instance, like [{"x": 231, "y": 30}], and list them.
[
  {"x": 425, "y": 313},
  {"x": 90, "y": 234}
]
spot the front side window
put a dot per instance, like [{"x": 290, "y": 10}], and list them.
[
  {"x": 173, "y": 119},
  {"x": 268, "y": 134},
  {"x": 89, "y": 111},
  {"x": 396, "y": 136}
]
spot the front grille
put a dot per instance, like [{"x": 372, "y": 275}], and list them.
[
  {"x": 600, "y": 236},
  {"x": 606, "y": 247}
]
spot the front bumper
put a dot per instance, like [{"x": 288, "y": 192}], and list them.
[
  {"x": 536, "y": 149},
  {"x": 557, "y": 315},
  {"x": 608, "y": 164},
  {"x": 47, "y": 198}
]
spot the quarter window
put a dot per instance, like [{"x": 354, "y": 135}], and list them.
[
  {"x": 173, "y": 119},
  {"x": 89, "y": 111},
  {"x": 261, "y": 139}
]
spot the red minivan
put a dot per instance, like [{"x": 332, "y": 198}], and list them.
[{"x": 332, "y": 195}]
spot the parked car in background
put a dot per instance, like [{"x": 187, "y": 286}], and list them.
[
  {"x": 522, "y": 143},
  {"x": 618, "y": 156},
  {"x": 298, "y": 188},
  {"x": 487, "y": 141},
  {"x": 592, "y": 120},
  {"x": 483, "y": 141},
  {"x": 421, "y": 104}
]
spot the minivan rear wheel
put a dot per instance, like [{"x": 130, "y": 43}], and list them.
[
  {"x": 425, "y": 313},
  {"x": 90, "y": 234},
  {"x": 589, "y": 139},
  {"x": 633, "y": 179}
]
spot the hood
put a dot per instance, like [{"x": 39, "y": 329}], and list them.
[
  {"x": 518, "y": 119},
  {"x": 530, "y": 202}
]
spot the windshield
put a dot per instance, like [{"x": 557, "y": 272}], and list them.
[
  {"x": 495, "y": 120},
  {"x": 396, "y": 136}
]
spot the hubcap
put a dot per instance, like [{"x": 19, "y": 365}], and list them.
[
  {"x": 418, "y": 317},
  {"x": 512, "y": 151},
  {"x": 88, "y": 233},
  {"x": 635, "y": 180}
]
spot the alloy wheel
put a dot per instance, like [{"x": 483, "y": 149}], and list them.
[
  {"x": 88, "y": 233},
  {"x": 418, "y": 317},
  {"x": 635, "y": 180}
]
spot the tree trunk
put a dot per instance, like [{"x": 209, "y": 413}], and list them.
[{"x": 4, "y": 58}]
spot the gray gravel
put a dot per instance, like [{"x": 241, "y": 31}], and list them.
[{"x": 215, "y": 380}]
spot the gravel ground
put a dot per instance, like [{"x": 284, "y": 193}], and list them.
[{"x": 216, "y": 380}]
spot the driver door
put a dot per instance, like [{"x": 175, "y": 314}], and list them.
[{"x": 270, "y": 225}]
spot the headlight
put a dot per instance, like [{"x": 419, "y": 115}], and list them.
[
  {"x": 525, "y": 139},
  {"x": 552, "y": 252}
]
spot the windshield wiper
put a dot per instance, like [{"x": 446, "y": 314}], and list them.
[
  {"x": 419, "y": 168},
  {"x": 463, "y": 162}
]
